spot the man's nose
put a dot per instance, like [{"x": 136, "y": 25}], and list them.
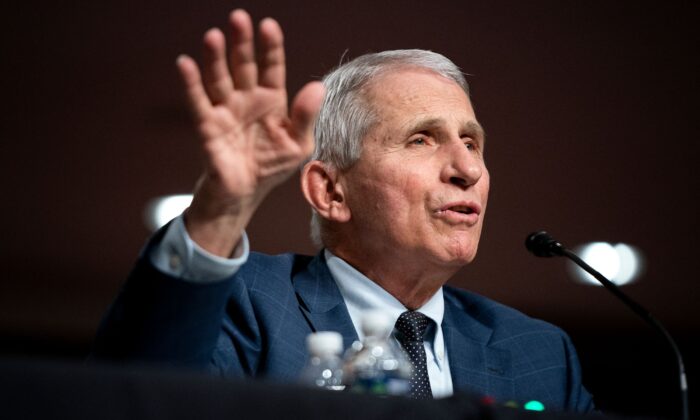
[{"x": 464, "y": 167}]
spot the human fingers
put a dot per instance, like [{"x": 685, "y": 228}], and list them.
[
  {"x": 194, "y": 90},
  {"x": 243, "y": 66},
  {"x": 304, "y": 111},
  {"x": 215, "y": 74},
  {"x": 271, "y": 59}
]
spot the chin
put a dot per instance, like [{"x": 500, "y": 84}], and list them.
[
  {"x": 459, "y": 253},
  {"x": 462, "y": 260},
  {"x": 454, "y": 259}
]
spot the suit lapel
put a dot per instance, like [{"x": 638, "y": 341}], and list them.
[
  {"x": 475, "y": 366},
  {"x": 321, "y": 301}
]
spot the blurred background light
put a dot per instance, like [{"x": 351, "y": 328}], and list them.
[
  {"x": 161, "y": 210},
  {"x": 534, "y": 406},
  {"x": 620, "y": 263}
]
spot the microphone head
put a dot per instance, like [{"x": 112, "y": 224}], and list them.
[{"x": 543, "y": 245}]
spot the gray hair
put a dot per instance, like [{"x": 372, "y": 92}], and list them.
[{"x": 346, "y": 116}]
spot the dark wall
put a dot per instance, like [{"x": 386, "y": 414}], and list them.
[{"x": 591, "y": 135}]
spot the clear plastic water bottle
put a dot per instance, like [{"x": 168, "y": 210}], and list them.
[
  {"x": 325, "y": 366},
  {"x": 377, "y": 365}
]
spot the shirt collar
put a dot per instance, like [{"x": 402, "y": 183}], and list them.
[{"x": 362, "y": 294}]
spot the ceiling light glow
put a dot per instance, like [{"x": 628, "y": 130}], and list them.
[
  {"x": 161, "y": 210},
  {"x": 620, "y": 263}
]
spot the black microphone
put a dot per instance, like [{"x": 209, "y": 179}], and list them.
[{"x": 543, "y": 245}]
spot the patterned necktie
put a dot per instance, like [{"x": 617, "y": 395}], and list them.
[{"x": 412, "y": 326}]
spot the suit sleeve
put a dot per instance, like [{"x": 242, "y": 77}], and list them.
[{"x": 161, "y": 319}]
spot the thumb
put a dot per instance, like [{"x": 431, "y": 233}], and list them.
[{"x": 304, "y": 111}]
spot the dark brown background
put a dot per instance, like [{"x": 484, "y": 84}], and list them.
[{"x": 592, "y": 134}]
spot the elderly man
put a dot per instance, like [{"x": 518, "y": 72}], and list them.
[{"x": 398, "y": 186}]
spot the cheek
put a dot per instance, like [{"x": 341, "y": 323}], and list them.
[
  {"x": 389, "y": 186},
  {"x": 393, "y": 209},
  {"x": 406, "y": 196},
  {"x": 373, "y": 203},
  {"x": 388, "y": 194}
]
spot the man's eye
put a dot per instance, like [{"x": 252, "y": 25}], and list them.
[
  {"x": 470, "y": 145},
  {"x": 419, "y": 141}
]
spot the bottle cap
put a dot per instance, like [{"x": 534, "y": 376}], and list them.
[
  {"x": 324, "y": 342},
  {"x": 376, "y": 323}
]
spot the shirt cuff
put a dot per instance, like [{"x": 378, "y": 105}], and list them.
[{"x": 179, "y": 256}]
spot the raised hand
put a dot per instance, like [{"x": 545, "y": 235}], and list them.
[{"x": 251, "y": 142}]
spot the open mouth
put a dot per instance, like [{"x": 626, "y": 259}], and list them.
[
  {"x": 461, "y": 209},
  {"x": 460, "y": 212}
]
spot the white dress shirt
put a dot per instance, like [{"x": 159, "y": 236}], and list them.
[
  {"x": 362, "y": 294},
  {"x": 178, "y": 255}
]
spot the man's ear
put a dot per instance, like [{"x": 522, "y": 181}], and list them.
[{"x": 325, "y": 194}]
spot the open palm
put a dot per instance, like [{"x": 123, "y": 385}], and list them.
[{"x": 251, "y": 142}]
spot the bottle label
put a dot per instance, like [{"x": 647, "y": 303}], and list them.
[{"x": 381, "y": 385}]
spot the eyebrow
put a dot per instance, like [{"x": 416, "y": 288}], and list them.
[
  {"x": 470, "y": 128},
  {"x": 475, "y": 130}
]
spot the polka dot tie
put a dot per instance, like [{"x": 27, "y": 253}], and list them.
[{"x": 412, "y": 326}]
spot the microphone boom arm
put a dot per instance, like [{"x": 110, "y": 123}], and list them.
[{"x": 542, "y": 245}]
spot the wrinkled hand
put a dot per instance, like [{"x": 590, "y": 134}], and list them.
[{"x": 251, "y": 142}]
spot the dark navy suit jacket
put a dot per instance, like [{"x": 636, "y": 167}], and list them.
[{"x": 255, "y": 324}]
